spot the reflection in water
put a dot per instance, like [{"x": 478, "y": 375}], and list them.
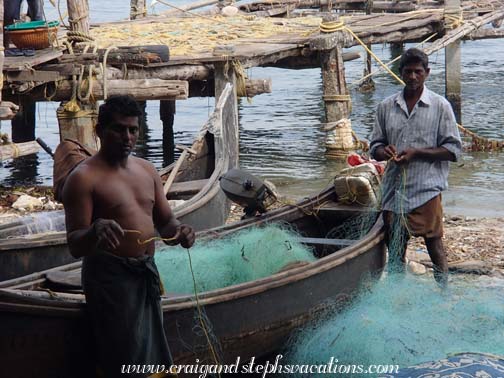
[{"x": 23, "y": 171}]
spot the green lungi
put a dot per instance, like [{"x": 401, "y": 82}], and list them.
[{"x": 123, "y": 302}]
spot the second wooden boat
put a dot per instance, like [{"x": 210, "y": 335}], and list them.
[{"x": 30, "y": 244}]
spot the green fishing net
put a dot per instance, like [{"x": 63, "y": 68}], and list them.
[
  {"x": 243, "y": 256},
  {"x": 406, "y": 320}
]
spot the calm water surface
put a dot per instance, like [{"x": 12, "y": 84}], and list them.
[{"x": 280, "y": 134}]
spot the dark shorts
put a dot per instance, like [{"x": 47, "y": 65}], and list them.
[{"x": 425, "y": 220}]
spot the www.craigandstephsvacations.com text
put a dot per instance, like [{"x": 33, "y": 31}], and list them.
[{"x": 268, "y": 367}]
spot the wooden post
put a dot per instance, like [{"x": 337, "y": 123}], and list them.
[
  {"x": 223, "y": 74},
  {"x": 368, "y": 84},
  {"x": 138, "y": 9},
  {"x": 78, "y": 15},
  {"x": 142, "y": 121},
  {"x": 396, "y": 49},
  {"x": 167, "y": 111},
  {"x": 452, "y": 62},
  {"x": 79, "y": 125},
  {"x": 23, "y": 124},
  {"x": 337, "y": 102},
  {"x": 78, "y": 121}
]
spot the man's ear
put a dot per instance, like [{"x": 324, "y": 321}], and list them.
[{"x": 427, "y": 71}]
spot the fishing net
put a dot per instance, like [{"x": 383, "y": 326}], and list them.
[
  {"x": 406, "y": 320},
  {"x": 241, "y": 257},
  {"x": 192, "y": 35}
]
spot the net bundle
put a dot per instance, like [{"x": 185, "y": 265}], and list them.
[
  {"x": 241, "y": 257},
  {"x": 407, "y": 320}
]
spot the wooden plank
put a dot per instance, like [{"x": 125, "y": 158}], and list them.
[
  {"x": 32, "y": 75},
  {"x": 186, "y": 188},
  {"x": 324, "y": 241},
  {"x": 21, "y": 63}
]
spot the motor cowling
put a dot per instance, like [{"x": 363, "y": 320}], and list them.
[{"x": 247, "y": 191}]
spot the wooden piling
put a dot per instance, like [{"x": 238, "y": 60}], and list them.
[
  {"x": 138, "y": 9},
  {"x": 453, "y": 92},
  {"x": 368, "y": 85},
  {"x": 23, "y": 124},
  {"x": 167, "y": 110},
  {"x": 78, "y": 15},
  {"x": 79, "y": 125},
  {"x": 337, "y": 102},
  {"x": 78, "y": 121}
]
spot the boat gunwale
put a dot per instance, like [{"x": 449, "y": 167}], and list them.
[{"x": 233, "y": 292}]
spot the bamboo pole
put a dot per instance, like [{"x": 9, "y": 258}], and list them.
[{"x": 191, "y": 6}]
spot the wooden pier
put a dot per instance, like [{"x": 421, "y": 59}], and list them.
[{"x": 184, "y": 54}]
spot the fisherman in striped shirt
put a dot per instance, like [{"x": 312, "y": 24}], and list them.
[{"x": 415, "y": 130}]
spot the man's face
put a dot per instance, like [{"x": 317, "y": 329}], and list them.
[
  {"x": 120, "y": 136},
  {"x": 414, "y": 76}
]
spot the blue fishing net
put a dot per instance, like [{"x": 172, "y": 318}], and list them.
[
  {"x": 240, "y": 257},
  {"x": 406, "y": 320}
]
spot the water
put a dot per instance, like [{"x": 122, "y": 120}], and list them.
[{"x": 280, "y": 134}]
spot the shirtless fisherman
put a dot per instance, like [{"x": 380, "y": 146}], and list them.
[{"x": 114, "y": 202}]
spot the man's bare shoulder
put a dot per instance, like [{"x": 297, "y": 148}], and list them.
[
  {"x": 147, "y": 165},
  {"x": 85, "y": 173}
]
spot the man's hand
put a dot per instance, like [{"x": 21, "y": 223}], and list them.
[
  {"x": 107, "y": 232},
  {"x": 184, "y": 235},
  {"x": 390, "y": 151},
  {"x": 406, "y": 156}
]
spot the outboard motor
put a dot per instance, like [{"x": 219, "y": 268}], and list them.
[{"x": 254, "y": 195}]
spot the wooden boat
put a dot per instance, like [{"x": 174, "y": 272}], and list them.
[
  {"x": 48, "y": 328},
  {"x": 27, "y": 246}
]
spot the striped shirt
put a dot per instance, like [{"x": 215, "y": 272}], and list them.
[{"x": 431, "y": 124}]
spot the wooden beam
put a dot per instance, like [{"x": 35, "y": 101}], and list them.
[
  {"x": 485, "y": 34},
  {"x": 464, "y": 30},
  {"x": 140, "y": 89},
  {"x": 32, "y": 75},
  {"x": 206, "y": 88}
]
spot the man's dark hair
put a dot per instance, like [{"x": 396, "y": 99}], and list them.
[
  {"x": 121, "y": 105},
  {"x": 413, "y": 56}
]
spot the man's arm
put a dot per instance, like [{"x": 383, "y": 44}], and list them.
[
  {"x": 380, "y": 149},
  {"x": 164, "y": 219},
  {"x": 82, "y": 235}
]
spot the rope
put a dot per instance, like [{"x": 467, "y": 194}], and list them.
[
  {"x": 241, "y": 76},
  {"x": 104, "y": 70},
  {"x": 338, "y": 98}
]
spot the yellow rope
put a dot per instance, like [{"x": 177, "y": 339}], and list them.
[
  {"x": 334, "y": 26},
  {"x": 146, "y": 241},
  {"x": 200, "y": 313}
]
